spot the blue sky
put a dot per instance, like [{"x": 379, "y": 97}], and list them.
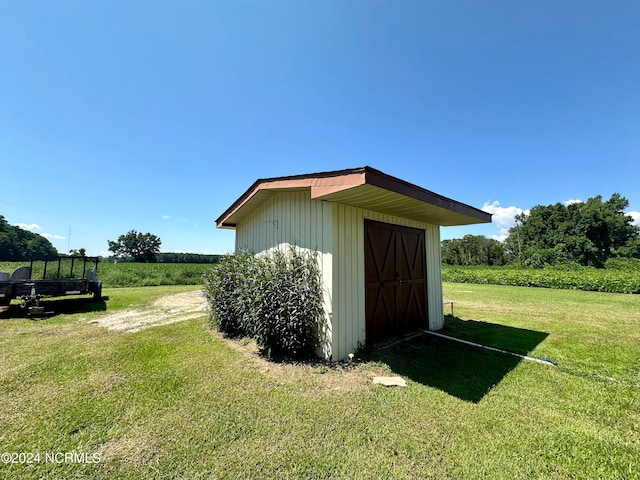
[{"x": 156, "y": 116}]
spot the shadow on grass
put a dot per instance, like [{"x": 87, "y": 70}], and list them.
[
  {"x": 58, "y": 306},
  {"x": 463, "y": 371}
]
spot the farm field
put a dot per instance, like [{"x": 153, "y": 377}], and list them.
[
  {"x": 587, "y": 278},
  {"x": 136, "y": 274},
  {"x": 178, "y": 401}
]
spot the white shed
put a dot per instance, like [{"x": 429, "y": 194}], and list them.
[{"x": 378, "y": 244}]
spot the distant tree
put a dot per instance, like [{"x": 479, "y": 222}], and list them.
[
  {"x": 586, "y": 233},
  {"x": 17, "y": 244},
  {"x": 473, "y": 250},
  {"x": 80, "y": 252},
  {"x": 143, "y": 247}
]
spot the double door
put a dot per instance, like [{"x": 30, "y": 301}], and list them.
[{"x": 396, "y": 283}]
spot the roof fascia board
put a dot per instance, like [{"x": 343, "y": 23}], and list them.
[
  {"x": 382, "y": 180},
  {"x": 325, "y": 183},
  {"x": 328, "y": 185},
  {"x": 322, "y": 180}
]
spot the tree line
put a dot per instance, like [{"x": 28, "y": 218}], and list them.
[
  {"x": 145, "y": 248},
  {"x": 474, "y": 250},
  {"x": 17, "y": 244},
  {"x": 171, "y": 257},
  {"x": 586, "y": 233},
  {"x": 140, "y": 247}
]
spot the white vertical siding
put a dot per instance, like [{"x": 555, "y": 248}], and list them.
[
  {"x": 336, "y": 232},
  {"x": 434, "y": 277},
  {"x": 286, "y": 218},
  {"x": 348, "y": 282},
  {"x": 349, "y": 321}
]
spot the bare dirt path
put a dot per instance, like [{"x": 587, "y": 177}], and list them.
[{"x": 165, "y": 310}]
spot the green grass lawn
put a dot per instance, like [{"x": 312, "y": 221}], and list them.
[{"x": 177, "y": 401}]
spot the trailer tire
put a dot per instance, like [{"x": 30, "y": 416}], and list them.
[{"x": 97, "y": 291}]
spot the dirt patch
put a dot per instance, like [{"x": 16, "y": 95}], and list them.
[
  {"x": 313, "y": 376},
  {"x": 134, "y": 451},
  {"x": 165, "y": 310}
]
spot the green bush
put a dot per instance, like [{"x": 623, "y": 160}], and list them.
[
  {"x": 623, "y": 263},
  {"x": 274, "y": 298}
]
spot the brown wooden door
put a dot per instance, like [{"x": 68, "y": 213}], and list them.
[{"x": 395, "y": 272}]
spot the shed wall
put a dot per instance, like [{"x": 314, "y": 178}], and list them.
[
  {"x": 434, "y": 277},
  {"x": 336, "y": 232},
  {"x": 293, "y": 218},
  {"x": 349, "y": 321}
]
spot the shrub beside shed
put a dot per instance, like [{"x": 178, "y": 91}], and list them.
[{"x": 378, "y": 244}]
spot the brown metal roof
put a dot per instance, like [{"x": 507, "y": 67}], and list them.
[{"x": 363, "y": 187}]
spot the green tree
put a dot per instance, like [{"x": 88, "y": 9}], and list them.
[
  {"x": 586, "y": 233},
  {"x": 143, "y": 247},
  {"x": 473, "y": 250},
  {"x": 17, "y": 244},
  {"x": 631, "y": 249}
]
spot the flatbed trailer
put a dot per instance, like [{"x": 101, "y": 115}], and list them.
[{"x": 51, "y": 277}]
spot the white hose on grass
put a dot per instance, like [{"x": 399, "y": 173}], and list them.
[{"x": 473, "y": 344}]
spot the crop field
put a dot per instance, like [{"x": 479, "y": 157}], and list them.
[
  {"x": 151, "y": 274},
  {"x": 180, "y": 401},
  {"x": 588, "y": 279},
  {"x": 130, "y": 274}
]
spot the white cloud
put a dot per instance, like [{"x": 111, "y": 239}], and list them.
[
  {"x": 28, "y": 226},
  {"x": 502, "y": 217},
  {"x": 35, "y": 226},
  {"x": 572, "y": 201},
  {"x": 636, "y": 218},
  {"x": 178, "y": 219},
  {"x": 51, "y": 235}
]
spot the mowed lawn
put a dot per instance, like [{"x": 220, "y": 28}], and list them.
[{"x": 177, "y": 401}]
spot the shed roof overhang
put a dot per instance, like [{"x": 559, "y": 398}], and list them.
[{"x": 363, "y": 187}]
